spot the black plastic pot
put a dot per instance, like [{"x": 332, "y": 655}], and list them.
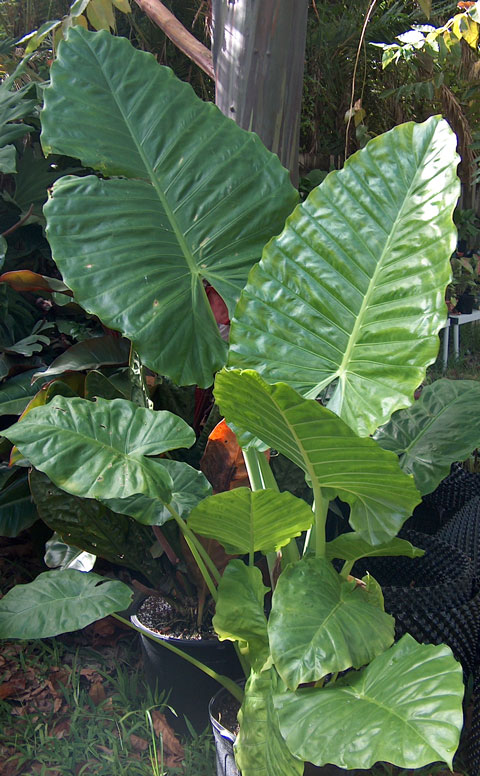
[
  {"x": 453, "y": 492},
  {"x": 190, "y": 689}
]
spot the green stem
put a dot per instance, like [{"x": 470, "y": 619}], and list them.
[
  {"x": 261, "y": 478},
  {"x": 228, "y": 683},
  {"x": 347, "y": 568},
  {"x": 199, "y": 552},
  {"x": 320, "y": 509},
  {"x": 251, "y": 458},
  {"x": 203, "y": 569}
]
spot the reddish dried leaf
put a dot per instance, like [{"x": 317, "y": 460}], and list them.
[
  {"x": 26, "y": 280},
  {"x": 222, "y": 462},
  {"x": 171, "y": 744},
  {"x": 170, "y": 760},
  {"x": 61, "y": 729},
  {"x": 140, "y": 744},
  {"x": 59, "y": 677},
  {"x": 91, "y": 674},
  {"x": 97, "y": 693},
  {"x": 7, "y": 689},
  {"x": 40, "y": 768}
]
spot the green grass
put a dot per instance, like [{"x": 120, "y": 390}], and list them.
[{"x": 63, "y": 729}]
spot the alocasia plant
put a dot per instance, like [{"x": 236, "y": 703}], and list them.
[{"x": 347, "y": 300}]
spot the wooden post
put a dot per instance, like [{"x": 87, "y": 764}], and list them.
[{"x": 258, "y": 57}]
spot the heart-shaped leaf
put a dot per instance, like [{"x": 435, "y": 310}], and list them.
[
  {"x": 239, "y": 612},
  {"x": 94, "y": 449},
  {"x": 333, "y": 457},
  {"x": 352, "y": 291},
  {"x": 59, "y": 602},
  {"x": 189, "y": 487},
  {"x": 443, "y": 426},
  {"x": 321, "y": 623},
  {"x": 242, "y": 520},
  {"x": 405, "y": 708},
  {"x": 352, "y": 547},
  {"x": 200, "y": 195}
]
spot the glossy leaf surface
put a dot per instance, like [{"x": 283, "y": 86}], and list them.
[
  {"x": 246, "y": 521},
  {"x": 59, "y": 602},
  {"x": 26, "y": 280},
  {"x": 90, "y": 354},
  {"x": 16, "y": 393},
  {"x": 94, "y": 449},
  {"x": 239, "y": 612},
  {"x": 351, "y": 547},
  {"x": 404, "y": 708},
  {"x": 189, "y": 486},
  {"x": 353, "y": 289},
  {"x": 321, "y": 623},
  {"x": 443, "y": 426},
  {"x": 17, "y": 510},
  {"x": 200, "y": 195},
  {"x": 65, "y": 556},
  {"x": 87, "y": 524},
  {"x": 260, "y": 749},
  {"x": 355, "y": 469}
]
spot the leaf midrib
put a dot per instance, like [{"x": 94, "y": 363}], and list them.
[
  {"x": 187, "y": 253},
  {"x": 352, "y": 342},
  {"x": 423, "y": 431}
]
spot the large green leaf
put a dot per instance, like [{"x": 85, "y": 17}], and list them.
[
  {"x": 95, "y": 449},
  {"x": 246, "y": 521},
  {"x": 87, "y": 524},
  {"x": 197, "y": 199},
  {"x": 351, "y": 547},
  {"x": 239, "y": 612},
  {"x": 443, "y": 426},
  {"x": 65, "y": 556},
  {"x": 352, "y": 291},
  {"x": 321, "y": 623},
  {"x": 260, "y": 749},
  {"x": 405, "y": 708},
  {"x": 59, "y": 602},
  {"x": 16, "y": 393},
  {"x": 355, "y": 469},
  {"x": 189, "y": 487},
  {"x": 17, "y": 510},
  {"x": 89, "y": 354}
]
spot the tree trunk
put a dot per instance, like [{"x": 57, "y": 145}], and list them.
[{"x": 258, "y": 56}]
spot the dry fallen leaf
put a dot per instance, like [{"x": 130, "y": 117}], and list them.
[
  {"x": 97, "y": 693},
  {"x": 9, "y": 688},
  {"x": 140, "y": 744},
  {"x": 171, "y": 744},
  {"x": 61, "y": 729},
  {"x": 91, "y": 675},
  {"x": 104, "y": 749}
]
